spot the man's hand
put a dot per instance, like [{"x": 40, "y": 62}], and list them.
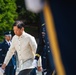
[
  {"x": 3, "y": 66},
  {"x": 39, "y": 68},
  {"x": 35, "y": 63}
]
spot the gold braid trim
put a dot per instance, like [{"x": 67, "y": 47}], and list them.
[{"x": 37, "y": 55}]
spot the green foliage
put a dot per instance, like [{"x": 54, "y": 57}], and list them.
[
  {"x": 7, "y": 14},
  {"x": 1, "y": 38},
  {"x": 11, "y": 10}
]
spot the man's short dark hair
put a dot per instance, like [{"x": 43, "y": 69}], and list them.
[{"x": 19, "y": 24}]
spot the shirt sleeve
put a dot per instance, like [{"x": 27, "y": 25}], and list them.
[
  {"x": 33, "y": 44},
  {"x": 9, "y": 53},
  {"x": 41, "y": 44},
  {"x": 40, "y": 62}
]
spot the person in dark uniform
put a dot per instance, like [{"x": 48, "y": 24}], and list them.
[
  {"x": 44, "y": 51},
  {"x": 63, "y": 14},
  {"x": 4, "y": 46}
]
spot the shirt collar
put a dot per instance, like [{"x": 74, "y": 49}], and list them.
[{"x": 8, "y": 41}]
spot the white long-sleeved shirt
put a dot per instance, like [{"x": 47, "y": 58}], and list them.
[{"x": 26, "y": 46}]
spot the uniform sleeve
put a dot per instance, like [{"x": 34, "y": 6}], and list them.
[
  {"x": 40, "y": 47},
  {"x": 9, "y": 53},
  {"x": 39, "y": 62},
  {"x": 33, "y": 44}
]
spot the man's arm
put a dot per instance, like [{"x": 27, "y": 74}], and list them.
[{"x": 33, "y": 44}]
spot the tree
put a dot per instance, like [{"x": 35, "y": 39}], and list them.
[{"x": 7, "y": 14}]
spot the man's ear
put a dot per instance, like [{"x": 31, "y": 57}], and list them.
[{"x": 22, "y": 28}]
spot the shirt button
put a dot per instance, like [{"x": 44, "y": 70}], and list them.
[
  {"x": 48, "y": 47},
  {"x": 47, "y": 42},
  {"x": 44, "y": 57},
  {"x": 48, "y": 50}
]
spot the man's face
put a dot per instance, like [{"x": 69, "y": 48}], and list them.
[
  {"x": 17, "y": 31},
  {"x": 8, "y": 38}
]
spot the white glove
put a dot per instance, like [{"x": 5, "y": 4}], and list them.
[
  {"x": 35, "y": 63},
  {"x": 1, "y": 73},
  {"x": 34, "y": 5},
  {"x": 1, "y": 70}
]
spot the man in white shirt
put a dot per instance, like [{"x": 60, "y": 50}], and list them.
[{"x": 25, "y": 45}]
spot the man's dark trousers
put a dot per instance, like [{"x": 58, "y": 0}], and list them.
[{"x": 25, "y": 72}]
